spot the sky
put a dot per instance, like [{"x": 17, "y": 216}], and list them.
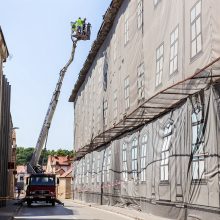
[{"x": 37, "y": 34}]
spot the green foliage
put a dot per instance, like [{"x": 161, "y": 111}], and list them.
[{"x": 23, "y": 155}]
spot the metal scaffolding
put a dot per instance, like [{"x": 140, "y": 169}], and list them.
[{"x": 156, "y": 106}]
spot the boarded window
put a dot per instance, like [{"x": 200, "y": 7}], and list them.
[{"x": 196, "y": 32}]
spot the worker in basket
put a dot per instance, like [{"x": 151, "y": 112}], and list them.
[{"x": 80, "y": 29}]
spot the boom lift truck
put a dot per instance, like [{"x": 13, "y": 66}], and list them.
[{"x": 42, "y": 186}]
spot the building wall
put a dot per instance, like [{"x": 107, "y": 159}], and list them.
[
  {"x": 116, "y": 77},
  {"x": 120, "y": 61},
  {"x": 5, "y": 125}
]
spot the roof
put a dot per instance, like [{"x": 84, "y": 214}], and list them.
[
  {"x": 21, "y": 169},
  {"x": 67, "y": 173},
  {"x": 107, "y": 23},
  {"x": 60, "y": 160},
  {"x": 4, "y": 43}
]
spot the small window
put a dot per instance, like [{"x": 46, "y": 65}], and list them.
[
  {"x": 198, "y": 161},
  {"x": 104, "y": 166},
  {"x": 114, "y": 48},
  {"x": 115, "y": 105},
  {"x": 140, "y": 13},
  {"x": 174, "y": 38},
  {"x": 143, "y": 157},
  {"x": 196, "y": 29},
  {"x": 156, "y": 2},
  {"x": 126, "y": 93},
  {"x": 98, "y": 170},
  {"x": 93, "y": 170},
  {"x": 105, "y": 108},
  {"x": 140, "y": 82},
  {"x": 87, "y": 171},
  {"x": 165, "y": 153},
  {"x": 108, "y": 166},
  {"x": 124, "y": 162},
  {"x": 159, "y": 64},
  {"x": 83, "y": 171},
  {"x": 126, "y": 28},
  {"x": 134, "y": 159}
]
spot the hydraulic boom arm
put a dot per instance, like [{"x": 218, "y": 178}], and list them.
[{"x": 32, "y": 166}]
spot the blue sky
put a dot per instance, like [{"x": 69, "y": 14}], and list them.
[{"x": 37, "y": 33}]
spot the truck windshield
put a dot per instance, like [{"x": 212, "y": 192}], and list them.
[{"x": 42, "y": 180}]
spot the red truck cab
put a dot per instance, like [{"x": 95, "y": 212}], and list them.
[{"x": 41, "y": 187}]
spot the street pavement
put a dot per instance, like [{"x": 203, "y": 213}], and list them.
[{"x": 71, "y": 210}]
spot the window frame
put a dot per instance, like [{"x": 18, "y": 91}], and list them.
[
  {"x": 195, "y": 39},
  {"x": 159, "y": 64},
  {"x": 198, "y": 157},
  {"x": 134, "y": 158},
  {"x": 143, "y": 157},
  {"x": 140, "y": 82},
  {"x": 165, "y": 153},
  {"x": 140, "y": 10},
  {"x": 124, "y": 162},
  {"x": 127, "y": 93},
  {"x": 126, "y": 27},
  {"x": 173, "y": 45}
]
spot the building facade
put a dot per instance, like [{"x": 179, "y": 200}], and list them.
[
  {"x": 5, "y": 127},
  {"x": 146, "y": 109}
]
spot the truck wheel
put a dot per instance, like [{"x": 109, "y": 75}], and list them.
[
  {"x": 29, "y": 203},
  {"x": 53, "y": 203}
]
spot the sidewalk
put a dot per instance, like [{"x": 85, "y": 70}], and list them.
[
  {"x": 137, "y": 215},
  {"x": 8, "y": 212}
]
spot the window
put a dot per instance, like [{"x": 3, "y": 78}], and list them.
[
  {"x": 99, "y": 118},
  {"x": 140, "y": 13},
  {"x": 140, "y": 82},
  {"x": 114, "y": 48},
  {"x": 174, "y": 38},
  {"x": 93, "y": 169},
  {"x": 143, "y": 157},
  {"x": 108, "y": 166},
  {"x": 83, "y": 170},
  {"x": 115, "y": 105},
  {"x": 165, "y": 153},
  {"x": 124, "y": 162},
  {"x": 87, "y": 171},
  {"x": 134, "y": 161},
  {"x": 198, "y": 161},
  {"x": 105, "y": 107},
  {"x": 126, "y": 30},
  {"x": 159, "y": 64},
  {"x": 156, "y": 2},
  {"x": 126, "y": 93},
  {"x": 98, "y": 170},
  {"x": 196, "y": 33},
  {"x": 104, "y": 166}
]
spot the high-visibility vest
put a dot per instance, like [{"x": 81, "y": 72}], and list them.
[{"x": 79, "y": 22}]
